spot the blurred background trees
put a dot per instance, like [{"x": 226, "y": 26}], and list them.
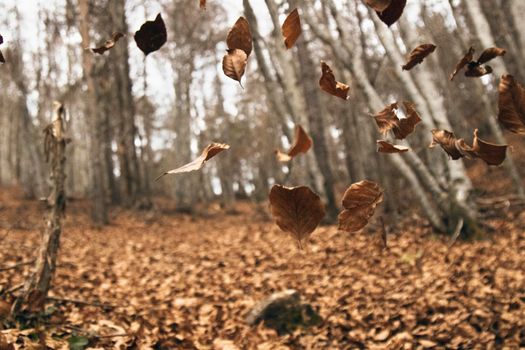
[{"x": 130, "y": 118}]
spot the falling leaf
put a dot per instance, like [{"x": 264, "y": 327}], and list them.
[
  {"x": 418, "y": 55},
  {"x": 490, "y": 54},
  {"x": 387, "y": 147},
  {"x": 209, "y": 152},
  {"x": 359, "y": 203},
  {"x": 469, "y": 56},
  {"x": 234, "y": 64},
  {"x": 378, "y": 5},
  {"x": 202, "y": 4},
  {"x": 296, "y": 210},
  {"x": 2, "y": 59},
  {"x": 109, "y": 44},
  {"x": 387, "y": 120},
  {"x": 393, "y": 12},
  {"x": 291, "y": 28},
  {"x": 491, "y": 153},
  {"x": 151, "y": 35},
  {"x": 330, "y": 85},
  {"x": 511, "y": 104},
  {"x": 475, "y": 71},
  {"x": 302, "y": 144},
  {"x": 240, "y": 36}
]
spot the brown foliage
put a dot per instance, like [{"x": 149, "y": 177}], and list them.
[
  {"x": 2, "y": 59},
  {"x": 469, "y": 56},
  {"x": 209, "y": 152},
  {"x": 152, "y": 35},
  {"x": 417, "y": 55},
  {"x": 490, "y": 54},
  {"x": 202, "y": 4},
  {"x": 291, "y": 28},
  {"x": 511, "y": 104},
  {"x": 491, "y": 153},
  {"x": 234, "y": 64},
  {"x": 109, "y": 44},
  {"x": 387, "y": 147},
  {"x": 378, "y": 5},
  {"x": 302, "y": 144},
  {"x": 393, "y": 12},
  {"x": 330, "y": 85},
  {"x": 359, "y": 203},
  {"x": 296, "y": 210},
  {"x": 475, "y": 68},
  {"x": 387, "y": 120},
  {"x": 240, "y": 36}
]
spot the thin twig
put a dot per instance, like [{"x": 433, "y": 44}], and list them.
[
  {"x": 456, "y": 234},
  {"x": 15, "y": 266}
]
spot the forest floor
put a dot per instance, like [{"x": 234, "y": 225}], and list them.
[{"x": 171, "y": 281}]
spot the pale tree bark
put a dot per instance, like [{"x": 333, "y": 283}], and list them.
[{"x": 38, "y": 284}]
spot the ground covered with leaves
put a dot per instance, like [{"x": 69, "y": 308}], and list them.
[{"x": 170, "y": 281}]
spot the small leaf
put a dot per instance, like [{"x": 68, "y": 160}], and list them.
[
  {"x": 447, "y": 141},
  {"x": 209, "y": 152},
  {"x": 393, "y": 12},
  {"x": 234, "y": 64},
  {"x": 490, "y": 54},
  {"x": 291, "y": 28},
  {"x": 469, "y": 56},
  {"x": 475, "y": 71},
  {"x": 387, "y": 120},
  {"x": 2, "y": 59},
  {"x": 302, "y": 144},
  {"x": 109, "y": 44},
  {"x": 151, "y": 36},
  {"x": 378, "y": 5},
  {"x": 511, "y": 104},
  {"x": 359, "y": 203},
  {"x": 418, "y": 55},
  {"x": 491, "y": 153},
  {"x": 296, "y": 210},
  {"x": 202, "y": 4},
  {"x": 240, "y": 36},
  {"x": 387, "y": 147},
  {"x": 77, "y": 342},
  {"x": 330, "y": 85}
]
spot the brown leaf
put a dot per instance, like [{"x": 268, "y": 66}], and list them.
[
  {"x": 202, "y": 4},
  {"x": 296, "y": 210},
  {"x": 359, "y": 204},
  {"x": 330, "y": 85},
  {"x": 234, "y": 64},
  {"x": 491, "y": 153},
  {"x": 475, "y": 71},
  {"x": 302, "y": 144},
  {"x": 392, "y": 13},
  {"x": 447, "y": 141},
  {"x": 151, "y": 35},
  {"x": 387, "y": 120},
  {"x": 378, "y": 5},
  {"x": 490, "y": 54},
  {"x": 210, "y": 151},
  {"x": 406, "y": 126},
  {"x": 109, "y": 44},
  {"x": 240, "y": 36},
  {"x": 291, "y": 28},
  {"x": 418, "y": 55},
  {"x": 4, "y": 344},
  {"x": 469, "y": 56},
  {"x": 2, "y": 59},
  {"x": 511, "y": 104},
  {"x": 387, "y": 147}
]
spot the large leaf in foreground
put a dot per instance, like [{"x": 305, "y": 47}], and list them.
[{"x": 511, "y": 104}]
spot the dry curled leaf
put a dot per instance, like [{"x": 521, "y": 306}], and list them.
[
  {"x": 302, "y": 144},
  {"x": 291, "y": 28},
  {"x": 469, "y": 56},
  {"x": 151, "y": 35},
  {"x": 359, "y": 203},
  {"x": 209, "y": 152},
  {"x": 387, "y": 120},
  {"x": 2, "y": 59},
  {"x": 490, "y": 54},
  {"x": 330, "y": 85},
  {"x": 378, "y": 5},
  {"x": 491, "y": 153},
  {"x": 202, "y": 4},
  {"x": 296, "y": 210},
  {"x": 387, "y": 147},
  {"x": 475, "y": 71},
  {"x": 109, "y": 44},
  {"x": 417, "y": 55},
  {"x": 234, "y": 64},
  {"x": 240, "y": 36},
  {"x": 511, "y": 104},
  {"x": 393, "y": 12}
]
